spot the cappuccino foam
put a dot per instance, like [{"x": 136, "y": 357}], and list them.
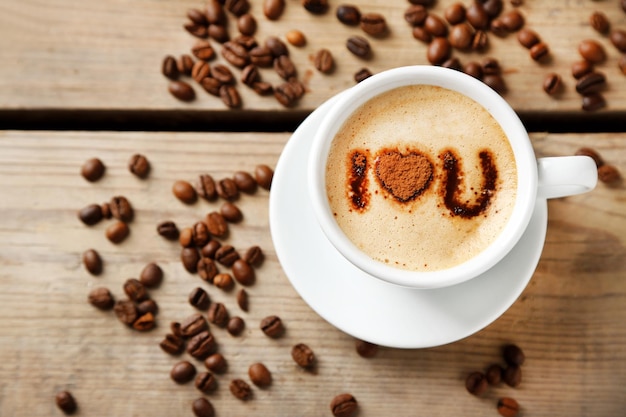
[{"x": 421, "y": 178}]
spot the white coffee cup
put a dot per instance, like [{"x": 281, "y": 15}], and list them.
[{"x": 544, "y": 178}]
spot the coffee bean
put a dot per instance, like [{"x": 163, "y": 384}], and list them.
[
  {"x": 513, "y": 20},
  {"x": 474, "y": 69},
  {"x": 206, "y": 382},
  {"x": 296, "y": 38},
  {"x": 286, "y": 95},
  {"x": 508, "y": 407},
  {"x": 92, "y": 170},
  {"x": 92, "y": 262},
  {"x": 189, "y": 258},
  {"x": 618, "y": 39},
  {"x": 66, "y": 402},
  {"x": 200, "y": 71},
  {"x": 126, "y": 311},
  {"x": 106, "y": 210},
  {"x": 218, "y": 314},
  {"x": 101, "y": 298},
  {"x": 348, "y": 14},
  {"x": 231, "y": 212},
  {"x": 184, "y": 192},
  {"x": 202, "y": 345},
  {"x": 323, "y": 61},
  {"x": 242, "y": 299},
  {"x": 210, "y": 249},
  {"x": 206, "y": 268},
  {"x": 622, "y": 64},
  {"x": 539, "y": 51},
  {"x": 202, "y": 407},
  {"x": 476, "y": 383},
  {"x": 593, "y": 102},
  {"x": 461, "y": 36},
  {"x": 216, "y": 225},
  {"x": 230, "y": 96},
  {"x": 528, "y": 38},
  {"x": 200, "y": 234},
  {"x": 284, "y": 67},
  {"x": 272, "y": 326},
  {"x": 359, "y": 46},
  {"x": 223, "y": 281},
  {"x": 205, "y": 186},
  {"x": 135, "y": 290},
  {"x": 199, "y": 31},
  {"x": 454, "y": 13},
  {"x": 215, "y": 12},
  {"x": 227, "y": 189},
  {"x": 491, "y": 66},
  {"x": 254, "y": 256},
  {"x": 303, "y": 355},
  {"x": 197, "y": 17},
  {"x": 147, "y": 306},
  {"x": 250, "y": 74},
  {"x": 151, "y": 275},
  {"x": 591, "y": 83},
  {"x": 168, "y": 230},
  {"x": 235, "y": 54},
  {"x": 276, "y": 46},
  {"x": 512, "y": 376},
  {"x": 273, "y": 9},
  {"x": 219, "y": 33},
  {"x": 599, "y": 22},
  {"x": 176, "y": 329},
  {"x": 199, "y": 298},
  {"x": 183, "y": 372},
  {"x": 516, "y": 3},
  {"x": 172, "y": 344},
  {"x": 498, "y": 28},
  {"x": 263, "y": 175},
  {"x": 480, "y": 41},
  {"x": 513, "y": 354},
  {"x": 435, "y": 25},
  {"x": 144, "y": 322},
  {"x": 496, "y": 82},
  {"x": 343, "y": 405},
  {"x": 260, "y": 375},
  {"x": 580, "y": 68},
  {"x": 117, "y": 232},
  {"x": 226, "y": 255},
  {"x": 493, "y": 374},
  {"x": 261, "y": 56},
  {"x": 609, "y": 174},
  {"x": 492, "y": 7},
  {"x": 240, "y": 389},
  {"x": 235, "y": 326},
  {"x": 243, "y": 272},
  {"x": 182, "y": 90},
  {"x": 192, "y": 325},
  {"x": 552, "y": 83},
  {"x": 186, "y": 238},
  {"x": 366, "y": 349},
  {"x": 184, "y": 64},
  {"x": 438, "y": 51},
  {"x": 425, "y": 3},
  {"x": 237, "y": 7},
  {"x": 373, "y": 24},
  {"x": 121, "y": 209},
  {"x": 246, "y": 24},
  {"x": 591, "y": 50},
  {"x": 139, "y": 166},
  {"x": 362, "y": 74},
  {"x": 315, "y": 6},
  {"x": 477, "y": 16},
  {"x": 90, "y": 214}
]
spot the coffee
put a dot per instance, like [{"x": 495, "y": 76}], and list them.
[{"x": 421, "y": 178}]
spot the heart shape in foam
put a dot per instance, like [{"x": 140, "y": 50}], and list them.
[{"x": 404, "y": 176}]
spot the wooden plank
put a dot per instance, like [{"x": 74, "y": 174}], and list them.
[
  {"x": 569, "y": 320},
  {"x": 107, "y": 55}
]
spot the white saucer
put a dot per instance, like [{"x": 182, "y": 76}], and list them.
[{"x": 366, "y": 307}]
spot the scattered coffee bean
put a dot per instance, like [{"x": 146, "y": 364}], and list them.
[
  {"x": 474, "y": 69},
  {"x": 359, "y": 46},
  {"x": 92, "y": 262},
  {"x": 348, "y": 14},
  {"x": 323, "y": 61},
  {"x": 226, "y": 255},
  {"x": 169, "y": 67},
  {"x": 512, "y": 20},
  {"x": 618, "y": 39},
  {"x": 453, "y": 63},
  {"x": 197, "y": 17},
  {"x": 284, "y": 67},
  {"x": 172, "y": 344},
  {"x": 508, "y": 407},
  {"x": 186, "y": 238},
  {"x": 168, "y": 230},
  {"x": 126, "y": 312},
  {"x": 210, "y": 249},
  {"x": 599, "y": 22},
  {"x": 461, "y": 36},
  {"x": 202, "y": 345},
  {"x": 552, "y": 83},
  {"x": 286, "y": 95},
  {"x": 192, "y": 325},
  {"x": 366, "y": 349},
  {"x": 199, "y": 298},
  {"x": 496, "y": 82},
  {"x": 512, "y": 376},
  {"x": 591, "y": 50},
  {"x": 498, "y": 28},
  {"x": 276, "y": 46},
  {"x": 315, "y": 6},
  {"x": 218, "y": 314},
  {"x": 176, "y": 329},
  {"x": 92, "y": 170},
  {"x": 215, "y": 12},
  {"x": 182, "y": 90},
  {"x": 435, "y": 25},
  {"x": 230, "y": 96},
  {"x": 454, "y": 13},
  {"x": 477, "y": 16},
  {"x": 206, "y": 382},
  {"x": 205, "y": 187},
  {"x": 476, "y": 383},
  {"x": 480, "y": 41},
  {"x": 254, "y": 256},
  {"x": 493, "y": 374},
  {"x": 144, "y": 322},
  {"x": 184, "y": 64},
  {"x": 106, "y": 210},
  {"x": 343, "y": 405},
  {"x": 303, "y": 355},
  {"x": 609, "y": 174},
  {"x": 183, "y": 372},
  {"x": 260, "y": 375},
  {"x": 200, "y": 71},
  {"x": 539, "y": 51},
  {"x": 513, "y": 355},
  {"x": 231, "y": 212},
  {"x": 227, "y": 189},
  {"x": 250, "y": 75},
  {"x": 240, "y": 389},
  {"x": 528, "y": 38},
  {"x": 438, "y": 51},
  {"x": 151, "y": 275},
  {"x": 207, "y": 270},
  {"x": 202, "y": 407},
  {"x": 246, "y": 24},
  {"x": 235, "y": 326},
  {"x": 580, "y": 68},
  {"x": 101, "y": 298},
  {"x": 261, "y": 56},
  {"x": 184, "y": 192},
  {"x": 222, "y": 74},
  {"x": 199, "y": 31},
  {"x": 235, "y": 54},
  {"x": 591, "y": 83},
  {"x": 223, "y": 281},
  {"x": 121, "y": 209},
  {"x": 296, "y": 38},
  {"x": 139, "y": 166},
  {"x": 216, "y": 225},
  {"x": 200, "y": 234},
  {"x": 216, "y": 363},
  {"x": 243, "y": 272},
  {"x": 242, "y": 299},
  {"x": 374, "y": 24},
  {"x": 272, "y": 326},
  {"x": 362, "y": 74},
  {"x": 593, "y": 102},
  {"x": 147, "y": 306},
  {"x": 117, "y": 232},
  {"x": 493, "y": 7},
  {"x": 190, "y": 257},
  {"x": 90, "y": 214},
  {"x": 135, "y": 290},
  {"x": 263, "y": 175},
  {"x": 592, "y": 153},
  {"x": 66, "y": 402},
  {"x": 273, "y": 9}
]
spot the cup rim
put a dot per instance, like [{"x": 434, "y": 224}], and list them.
[{"x": 502, "y": 112}]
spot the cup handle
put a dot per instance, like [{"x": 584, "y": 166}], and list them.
[{"x": 563, "y": 176}]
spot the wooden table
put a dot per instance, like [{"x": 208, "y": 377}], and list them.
[{"x": 96, "y": 66}]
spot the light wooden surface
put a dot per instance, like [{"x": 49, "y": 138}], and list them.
[
  {"x": 106, "y": 55},
  {"x": 570, "y": 319}
]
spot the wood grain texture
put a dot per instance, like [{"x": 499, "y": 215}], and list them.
[
  {"x": 107, "y": 55},
  {"x": 569, "y": 320}
]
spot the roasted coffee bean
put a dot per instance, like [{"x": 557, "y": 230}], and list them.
[
  {"x": 599, "y": 22},
  {"x": 480, "y": 41},
  {"x": 362, "y": 74},
  {"x": 303, "y": 355},
  {"x": 474, "y": 69},
  {"x": 263, "y": 175},
  {"x": 273, "y": 9},
  {"x": 240, "y": 389},
  {"x": 461, "y": 36},
  {"x": 591, "y": 50},
  {"x": 260, "y": 375},
  {"x": 493, "y": 7},
  {"x": 126, "y": 311},
  {"x": 151, "y": 275},
  {"x": 190, "y": 257},
  {"x": 202, "y": 407},
  {"x": 90, "y": 214},
  {"x": 552, "y": 83},
  {"x": 276, "y": 46},
  {"x": 242, "y": 299},
  {"x": 618, "y": 39},
  {"x": 203, "y": 50},
  {"x": 593, "y": 154},
  {"x": 528, "y": 38},
  {"x": 235, "y": 325},
  {"x": 286, "y": 95},
  {"x": 219, "y": 33},
  {"x": 193, "y": 325},
  {"x": 435, "y": 25},
  {"x": 323, "y": 61},
  {"x": 512, "y": 376},
  {"x": 493, "y": 374},
  {"x": 66, "y": 402},
  {"x": 216, "y": 363},
  {"x": 454, "y": 13},
  {"x": 512, "y": 20},
  {"x": 184, "y": 192},
  {"x": 539, "y": 51},
  {"x": 106, "y": 210},
  {"x": 491, "y": 66},
  {"x": 92, "y": 170},
  {"x": 205, "y": 187},
  {"x": 477, "y": 16},
  {"x": 580, "y": 68},
  {"x": 476, "y": 383},
  {"x": 348, "y": 14},
  {"x": 498, "y": 28},
  {"x": 216, "y": 224},
  {"x": 284, "y": 67},
  {"x": 121, "y": 209},
  {"x": 186, "y": 238},
  {"x": 272, "y": 326},
  {"x": 591, "y": 83},
  {"x": 359, "y": 46},
  {"x": 438, "y": 51},
  {"x": 366, "y": 349},
  {"x": 235, "y": 54},
  {"x": 206, "y": 268},
  {"x": 206, "y": 382},
  {"x": 117, "y": 232},
  {"x": 513, "y": 355},
  {"x": 248, "y": 42},
  {"x": 135, "y": 290},
  {"x": 197, "y": 16},
  {"x": 343, "y": 405},
  {"x": 200, "y": 70},
  {"x": 246, "y": 24},
  {"x": 215, "y": 12},
  {"x": 200, "y": 234},
  {"x": 245, "y": 182},
  {"x": 183, "y": 372},
  {"x": 231, "y": 212},
  {"x": 202, "y": 345},
  {"x": 593, "y": 102},
  {"x": 315, "y": 6},
  {"x": 144, "y": 322},
  {"x": 168, "y": 230},
  {"x": 227, "y": 189},
  {"x": 210, "y": 249},
  {"x": 223, "y": 281},
  {"x": 184, "y": 64},
  {"x": 243, "y": 272},
  {"x": 516, "y": 3},
  {"x": 254, "y": 256},
  {"x": 147, "y": 306},
  {"x": 92, "y": 262},
  {"x": 101, "y": 298},
  {"x": 199, "y": 298},
  {"x": 508, "y": 407},
  {"x": 139, "y": 166},
  {"x": 373, "y": 24},
  {"x": 425, "y": 3},
  {"x": 250, "y": 74},
  {"x": 230, "y": 96},
  {"x": 237, "y": 7},
  {"x": 609, "y": 174},
  {"x": 199, "y": 31},
  {"x": 496, "y": 82},
  {"x": 176, "y": 329},
  {"x": 182, "y": 90},
  {"x": 261, "y": 56},
  {"x": 218, "y": 314}
]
